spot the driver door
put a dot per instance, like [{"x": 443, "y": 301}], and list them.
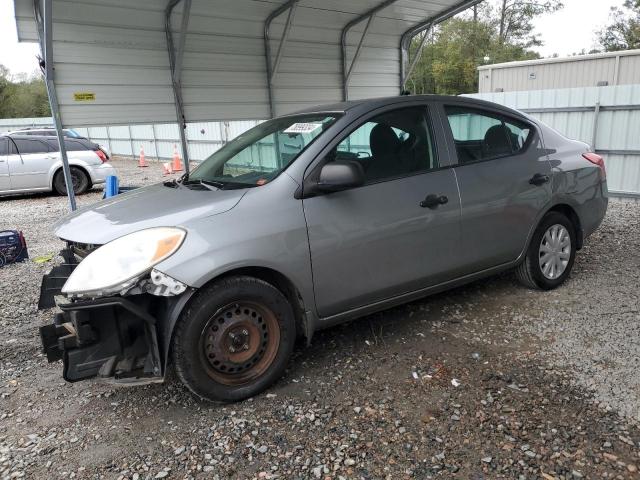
[{"x": 375, "y": 242}]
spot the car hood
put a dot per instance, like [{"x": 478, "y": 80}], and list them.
[{"x": 153, "y": 206}]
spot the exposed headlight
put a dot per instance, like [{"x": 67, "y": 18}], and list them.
[{"x": 119, "y": 264}]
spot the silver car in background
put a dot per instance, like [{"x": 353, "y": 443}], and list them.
[
  {"x": 309, "y": 220},
  {"x": 32, "y": 163}
]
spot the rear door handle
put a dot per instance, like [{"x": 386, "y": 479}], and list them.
[
  {"x": 539, "y": 179},
  {"x": 434, "y": 201}
]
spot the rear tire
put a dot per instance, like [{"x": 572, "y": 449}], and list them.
[
  {"x": 234, "y": 339},
  {"x": 551, "y": 253},
  {"x": 78, "y": 177}
]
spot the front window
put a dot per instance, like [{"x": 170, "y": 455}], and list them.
[{"x": 259, "y": 155}]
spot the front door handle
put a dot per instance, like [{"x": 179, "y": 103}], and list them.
[
  {"x": 539, "y": 179},
  {"x": 434, "y": 201}
]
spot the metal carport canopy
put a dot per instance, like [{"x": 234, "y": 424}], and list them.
[
  {"x": 117, "y": 51},
  {"x": 110, "y": 62}
]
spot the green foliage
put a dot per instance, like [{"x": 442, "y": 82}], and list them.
[
  {"x": 623, "y": 31},
  {"x": 494, "y": 33},
  {"x": 22, "y": 96}
]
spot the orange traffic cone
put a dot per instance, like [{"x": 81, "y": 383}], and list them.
[
  {"x": 142, "y": 162},
  {"x": 177, "y": 163},
  {"x": 166, "y": 169}
]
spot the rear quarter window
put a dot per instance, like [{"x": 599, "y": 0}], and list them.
[
  {"x": 483, "y": 135},
  {"x": 72, "y": 145},
  {"x": 29, "y": 146}
]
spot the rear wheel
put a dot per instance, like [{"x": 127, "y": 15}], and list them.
[
  {"x": 234, "y": 339},
  {"x": 79, "y": 179},
  {"x": 551, "y": 253}
]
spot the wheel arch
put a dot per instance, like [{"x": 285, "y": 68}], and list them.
[
  {"x": 304, "y": 324},
  {"x": 58, "y": 168},
  {"x": 569, "y": 212}
]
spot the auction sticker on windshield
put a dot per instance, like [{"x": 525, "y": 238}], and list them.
[{"x": 303, "y": 127}]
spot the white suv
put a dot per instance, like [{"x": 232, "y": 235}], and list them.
[{"x": 30, "y": 163}]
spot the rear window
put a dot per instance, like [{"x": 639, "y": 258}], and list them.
[{"x": 4, "y": 146}]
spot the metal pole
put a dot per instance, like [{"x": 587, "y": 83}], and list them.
[
  {"x": 267, "y": 51},
  {"x": 405, "y": 40},
  {"x": 343, "y": 40},
  {"x": 594, "y": 133},
  {"x": 283, "y": 40},
  {"x": 155, "y": 141},
  {"x": 356, "y": 56},
  {"x": 176, "y": 59},
  {"x": 53, "y": 99},
  {"x": 131, "y": 145},
  {"x": 416, "y": 57}
]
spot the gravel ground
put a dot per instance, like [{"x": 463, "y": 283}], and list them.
[{"x": 486, "y": 381}]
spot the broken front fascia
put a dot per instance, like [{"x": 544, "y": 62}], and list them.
[
  {"x": 118, "y": 267},
  {"x": 118, "y": 331}
]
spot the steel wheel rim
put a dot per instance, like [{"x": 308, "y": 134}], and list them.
[
  {"x": 239, "y": 343},
  {"x": 554, "y": 252}
]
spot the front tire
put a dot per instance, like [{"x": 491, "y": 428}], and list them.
[
  {"x": 79, "y": 179},
  {"x": 550, "y": 255},
  {"x": 234, "y": 339}
]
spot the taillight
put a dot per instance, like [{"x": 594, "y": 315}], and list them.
[
  {"x": 596, "y": 160},
  {"x": 102, "y": 155}
]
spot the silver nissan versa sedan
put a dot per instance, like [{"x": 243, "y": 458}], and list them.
[{"x": 309, "y": 220}]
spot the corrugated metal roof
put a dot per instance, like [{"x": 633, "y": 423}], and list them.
[{"x": 117, "y": 51}]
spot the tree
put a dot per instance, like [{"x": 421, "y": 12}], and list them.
[
  {"x": 22, "y": 96},
  {"x": 515, "y": 20},
  {"x": 623, "y": 31},
  {"x": 502, "y": 31}
]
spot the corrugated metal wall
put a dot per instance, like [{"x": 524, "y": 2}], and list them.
[
  {"x": 158, "y": 140},
  {"x": 7, "y": 124},
  {"x": 619, "y": 68},
  {"x": 572, "y": 112}
]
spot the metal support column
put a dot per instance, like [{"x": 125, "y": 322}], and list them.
[
  {"x": 44, "y": 21},
  {"x": 407, "y": 37},
  {"x": 175, "y": 64},
  {"x": 348, "y": 70},
  {"x": 272, "y": 69}
]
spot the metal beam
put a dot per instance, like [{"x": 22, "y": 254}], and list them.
[
  {"x": 44, "y": 21},
  {"x": 407, "y": 37},
  {"x": 175, "y": 65},
  {"x": 272, "y": 69},
  {"x": 417, "y": 56},
  {"x": 348, "y": 70}
]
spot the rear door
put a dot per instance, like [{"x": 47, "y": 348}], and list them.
[
  {"x": 5, "y": 181},
  {"x": 29, "y": 166},
  {"x": 504, "y": 178},
  {"x": 375, "y": 242}
]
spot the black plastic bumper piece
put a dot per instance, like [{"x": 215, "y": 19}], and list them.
[
  {"x": 53, "y": 281},
  {"x": 110, "y": 337}
]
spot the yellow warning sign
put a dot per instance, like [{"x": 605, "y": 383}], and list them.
[{"x": 84, "y": 97}]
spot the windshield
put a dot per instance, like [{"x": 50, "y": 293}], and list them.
[{"x": 259, "y": 155}]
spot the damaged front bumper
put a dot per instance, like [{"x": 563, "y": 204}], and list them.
[
  {"x": 108, "y": 337},
  {"x": 122, "y": 339}
]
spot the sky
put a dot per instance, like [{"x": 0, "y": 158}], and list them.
[{"x": 568, "y": 31}]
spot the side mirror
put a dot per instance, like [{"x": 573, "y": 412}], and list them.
[{"x": 338, "y": 176}]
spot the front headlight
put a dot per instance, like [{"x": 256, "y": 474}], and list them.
[{"x": 119, "y": 264}]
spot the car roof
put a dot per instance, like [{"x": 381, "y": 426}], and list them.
[{"x": 373, "y": 103}]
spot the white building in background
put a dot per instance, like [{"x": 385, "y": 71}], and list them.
[
  {"x": 602, "y": 69},
  {"x": 593, "y": 98}
]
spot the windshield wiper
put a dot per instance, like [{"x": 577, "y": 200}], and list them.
[
  {"x": 206, "y": 183},
  {"x": 171, "y": 183}
]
